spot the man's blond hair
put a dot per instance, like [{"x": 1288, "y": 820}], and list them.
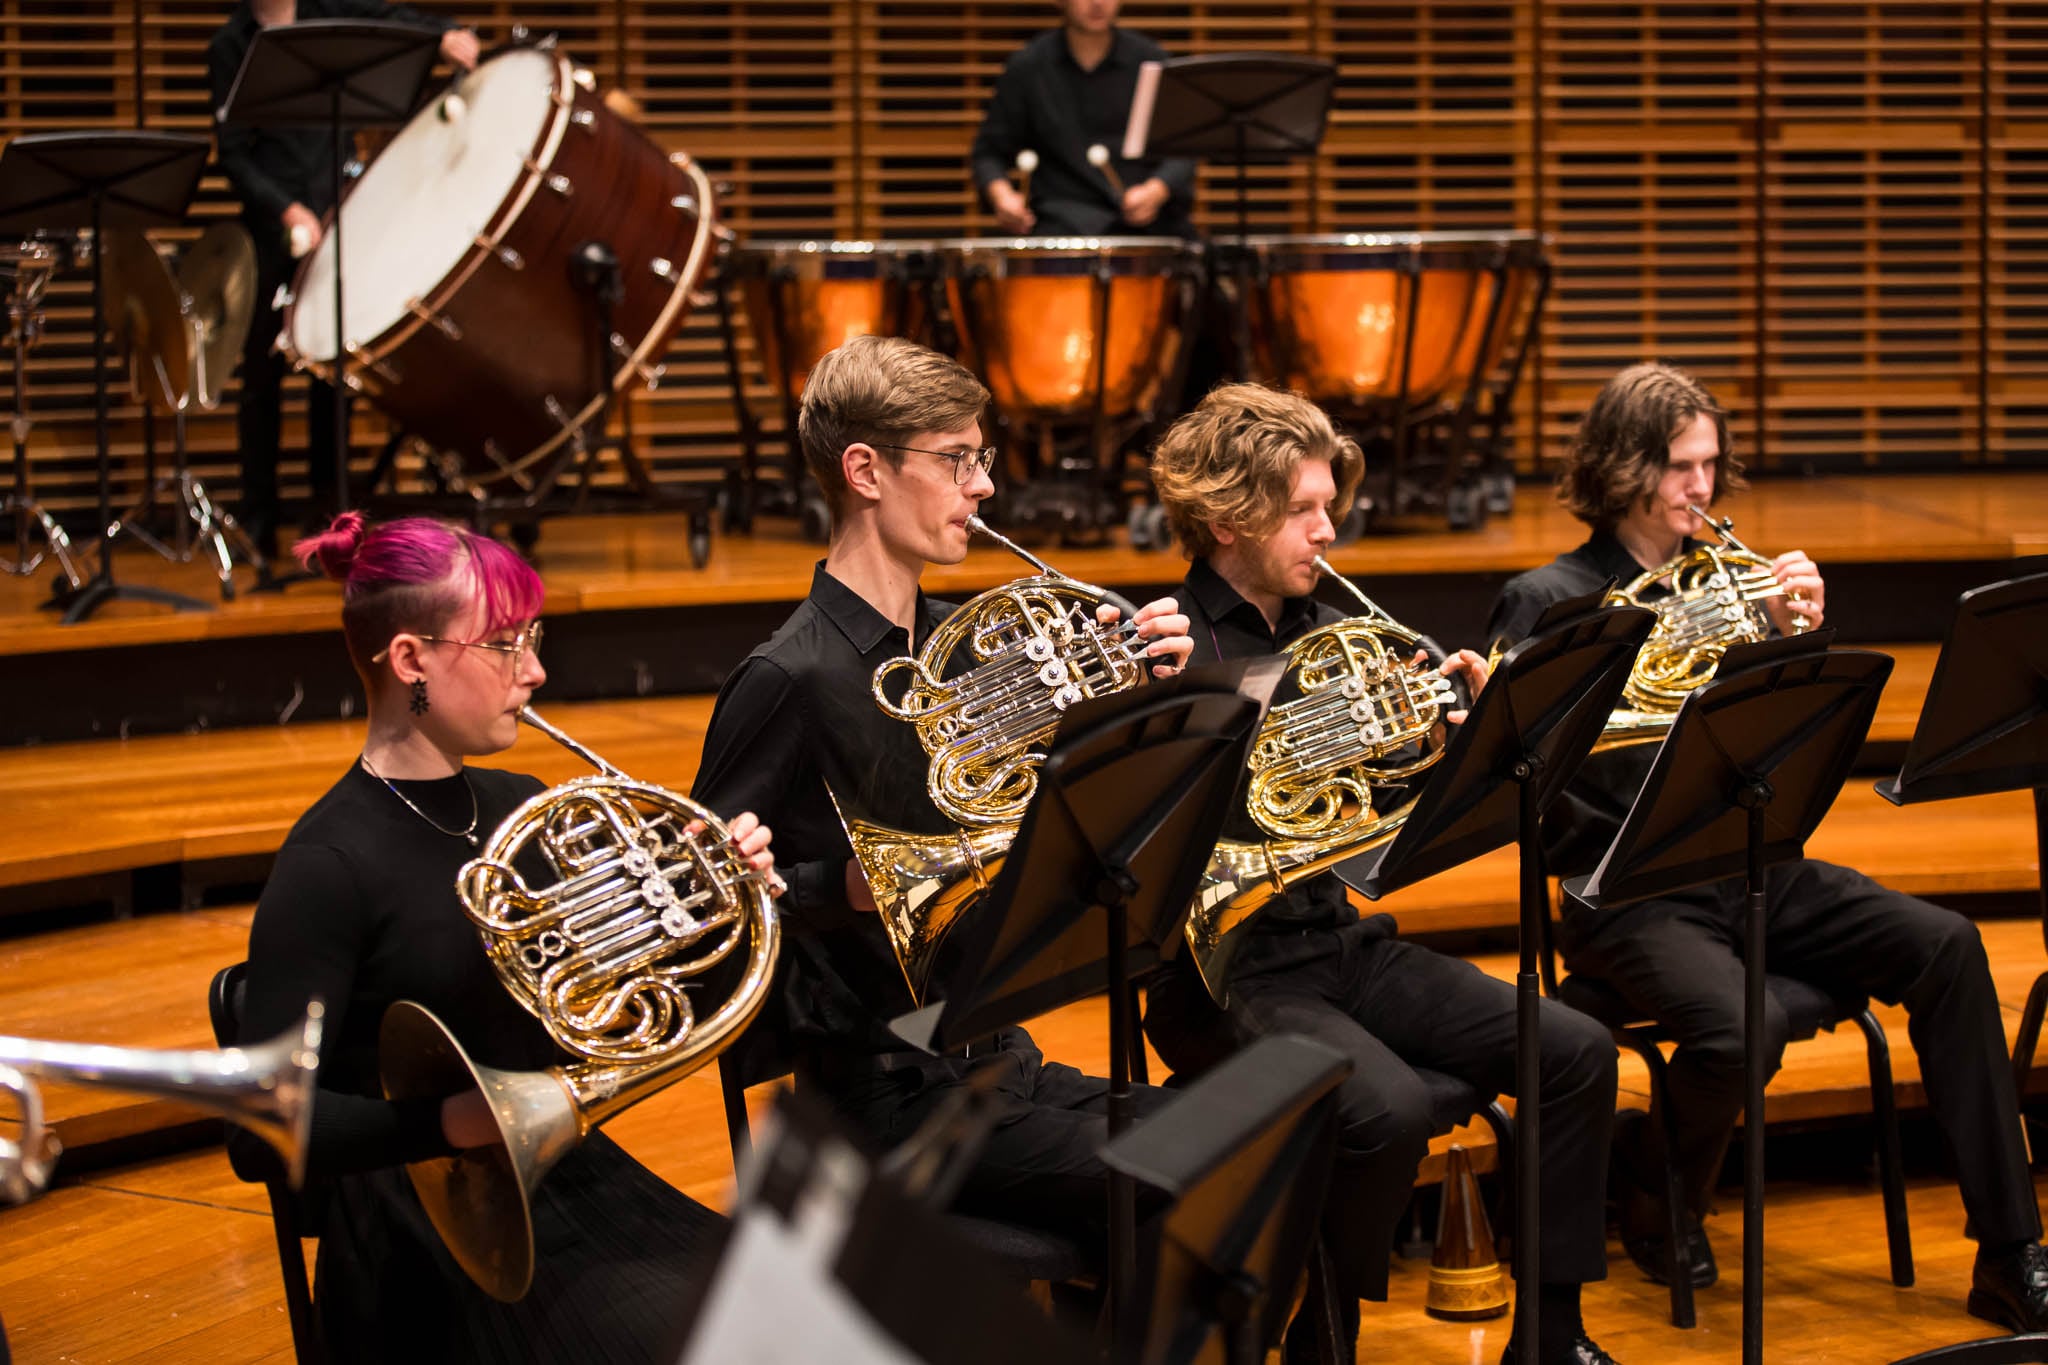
[
  {"x": 1231, "y": 463},
  {"x": 881, "y": 391}
]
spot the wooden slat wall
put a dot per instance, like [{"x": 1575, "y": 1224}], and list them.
[{"x": 1833, "y": 210}]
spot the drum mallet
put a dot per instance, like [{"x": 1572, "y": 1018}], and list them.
[
  {"x": 1027, "y": 162},
  {"x": 1098, "y": 157}
]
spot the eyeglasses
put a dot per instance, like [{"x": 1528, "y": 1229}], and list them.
[
  {"x": 966, "y": 463},
  {"x": 527, "y": 640}
]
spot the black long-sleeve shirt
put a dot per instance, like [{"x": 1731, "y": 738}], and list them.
[
  {"x": 795, "y": 725},
  {"x": 360, "y": 911},
  {"x": 271, "y": 168},
  {"x": 1582, "y": 822},
  {"x": 1044, "y": 101}
]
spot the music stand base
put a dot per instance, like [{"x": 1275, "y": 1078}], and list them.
[{"x": 104, "y": 589}]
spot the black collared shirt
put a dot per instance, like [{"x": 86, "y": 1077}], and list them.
[
  {"x": 794, "y": 725},
  {"x": 271, "y": 168},
  {"x": 1044, "y": 101},
  {"x": 1578, "y": 829}
]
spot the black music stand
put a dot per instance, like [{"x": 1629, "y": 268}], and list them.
[
  {"x": 1264, "y": 107},
  {"x": 1131, "y": 798},
  {"x": 1531, "y": 727},
  {"x": 100, "y": 181},
  {"x": 825, "y": 1259},
  {"x": 1751, "y": 765},
  {"x": 333, "y": 74},
  {"x": 1984, "y": 728},
  {"x": 1245, "y": 1152}
]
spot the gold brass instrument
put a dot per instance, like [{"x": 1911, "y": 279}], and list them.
[
  {"x": 1030, "y": 649},
  {"x": 1363, "y": 718},
  {"x": 266, "y": 1088},
  {"x": 1716, "y": 601},
  {"x": 649, "y": 896}
]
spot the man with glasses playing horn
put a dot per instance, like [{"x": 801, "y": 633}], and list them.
[
  {"x": 1056, "y": 119},
  {"x": 1653, "y": 446},
  {"x": 892, "y": 433},
  {"x": 1248, "y": 480}
]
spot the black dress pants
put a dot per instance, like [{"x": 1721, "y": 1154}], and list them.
[
  {"x": 1679, "y": 960},
  {"x": 1041, "y": 1165},
  {"x": 259, "y": 416},
  {"x": 1392, "y": 1007}
]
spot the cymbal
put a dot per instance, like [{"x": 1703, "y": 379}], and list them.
[
  {"x": 146, "y": 313},
  {"x": 218, "y": 275}
]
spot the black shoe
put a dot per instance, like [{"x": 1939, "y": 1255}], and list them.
[
  {"x": 1584, "y": 1351},
  {"x": 1642, "y": 1236},
  {"x": 1650, "y": 1257},
  {"x": 2012, "y": 1290}
]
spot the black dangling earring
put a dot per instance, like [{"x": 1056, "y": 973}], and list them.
[{"x": 419, "y": 697}]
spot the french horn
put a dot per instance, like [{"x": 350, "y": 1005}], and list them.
[
  {"x": 648, "y": 896},
  {"x": 266, "y": 1088},
  {"x": 1320, "y": 771},
  {"x": 1716, "y": 602},
  {"x": 989, "y": 686},
  {"x": 986, "y": 693}
]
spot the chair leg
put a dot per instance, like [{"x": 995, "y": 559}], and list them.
[
  {"x": 1677, "y": 1242},
  {"x": 1331, "y": 1349},
  {"x": 298, "y": 1294},
  {"x": 2028, "y": 1039},
  {"x": 1890, "y": 1166},
  {"x": 1140, "y": 1069},
  {"x": 1503, "y": 1127}
]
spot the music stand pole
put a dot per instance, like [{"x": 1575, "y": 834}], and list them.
[{"x": 341, "y": 390}]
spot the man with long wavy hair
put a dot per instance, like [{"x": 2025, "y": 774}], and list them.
[{"x": 1654, "y": 445}]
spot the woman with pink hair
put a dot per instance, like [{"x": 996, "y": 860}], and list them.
[{"x": 360, "y": 911}]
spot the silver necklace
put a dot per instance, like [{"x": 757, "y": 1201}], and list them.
[{"x": 468, "y": 833}]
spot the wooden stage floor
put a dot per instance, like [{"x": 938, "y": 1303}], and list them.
[{"x": 627, "y": 562}]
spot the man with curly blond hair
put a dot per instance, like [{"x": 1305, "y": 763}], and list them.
[{"x": 1248, "y": 481}]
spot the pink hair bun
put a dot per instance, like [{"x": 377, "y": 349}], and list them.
[{"x": 333, "y": 551}]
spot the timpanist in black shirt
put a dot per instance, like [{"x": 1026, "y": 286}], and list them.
[
  {"x": 892, "y": 433},
  {"x": 1247, "y": 480},
  {"x": 1067, "y": 91},
  {"x": 1653, "y": 444}
]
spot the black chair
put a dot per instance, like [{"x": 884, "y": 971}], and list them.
[
  {"x": 1025, "y": 1253},
  {"x": 292, "y": 1214},
  {"x": 1810, "y": 1011}
]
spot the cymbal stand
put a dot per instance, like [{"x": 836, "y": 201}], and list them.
[
  {"x": 197, "y": 524},
  {"x": 33, "y": 525}
]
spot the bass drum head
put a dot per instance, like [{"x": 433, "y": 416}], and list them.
[{"x": 422, "y": 205}]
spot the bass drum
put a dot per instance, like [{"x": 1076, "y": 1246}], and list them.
[{"x": 467, "y": 321}]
